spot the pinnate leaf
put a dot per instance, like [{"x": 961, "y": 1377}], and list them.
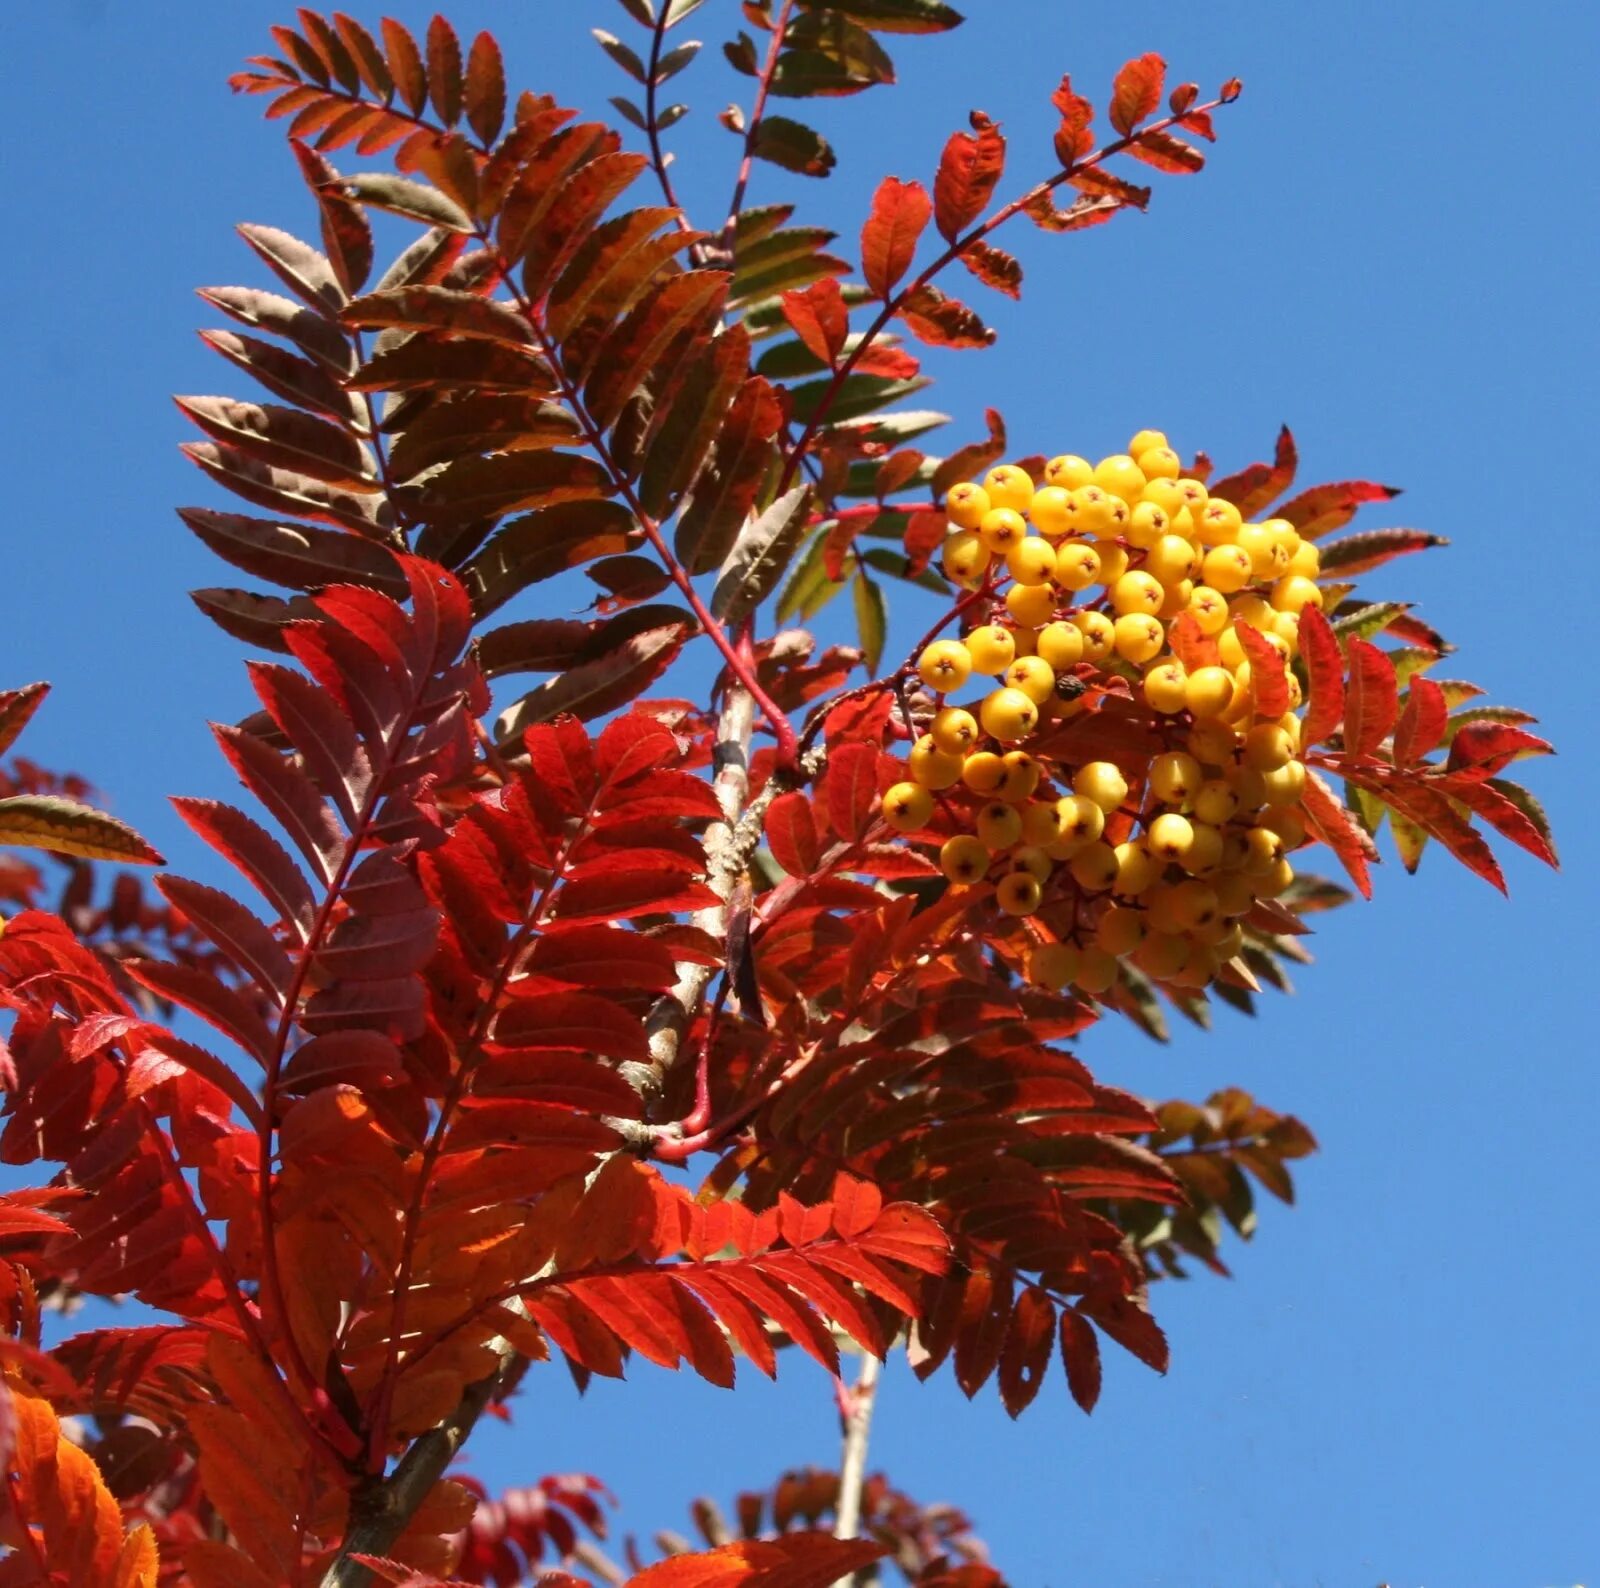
[
  {"x": 968, "y": 171},
  {"x": 1136, "y": 92}
]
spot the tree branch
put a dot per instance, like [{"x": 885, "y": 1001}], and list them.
[{"x": 857, "y": 1419}]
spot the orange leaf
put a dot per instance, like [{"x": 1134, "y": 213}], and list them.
[
  {"x": 1136, "y": 92},
  {"x": 900, "y": 212},
  {"x": 797, "y": 1560},
  {"x": 819, "y": 318},
  {"x": 968, "y": 170}
]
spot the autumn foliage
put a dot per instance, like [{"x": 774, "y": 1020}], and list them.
[{"x": 379, "y": 1129}]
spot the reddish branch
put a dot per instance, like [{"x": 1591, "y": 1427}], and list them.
[
  {"x": 752, "y": 131},
  {"x": 980, "y": 231}
]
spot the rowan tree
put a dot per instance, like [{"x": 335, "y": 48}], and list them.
[{"x": 583, "y": 1023}]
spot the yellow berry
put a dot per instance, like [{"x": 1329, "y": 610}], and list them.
[
  {"x": 1286, "y": 535},
  {"x": 1288, "y": 824},
  {"x": 1292, "y": 593},
  {"x": 1263, "y": 849},
  {"x": 1286, "y": 785},
  {"x": 1226, "y": 568},
  {"x": 1174, "y": 777},
  {"x": 1208, "y": 691},
  {"x": 954, "y": 730},
  {"x": 1120, "y": 931},
  {"x": 1094, "y": 867},
  {"x": 1276, "y": 880},
  {"x": 1177, "y": 599},
  {"x": 1113, "y": 563},
  {"x": 1052, "y": 965},
  {"x": 1136, "y": 592},
  {"x": 1077, "y": 565},
  {"x": 1021, "y": 775},
  {"x": 1032, "y": 605},
  {"x": 1147, "y": 523},
  {"x": 1001, "y": 528},
  {"x": 1041, "y": 823},
  {"x": 1144, "y": 440},
  {"x": 1068, "y": 471},
  {"x": 1031, "y": 561},
  {"x": 1218, "y": 522},
  {"x": 1008, "y": 714},
  {"x": 907, "y": 806},
  {"x": 1034, "y": 677},
  {"x": 1159, "y": 463},
  {"x": 1169, "y": 836},
  {"x": 1261, "y": 546},
  {"x": 966, "y": 558},
  {"x": 1213, "y": 743},
  {"x": 998, "y": 825},
  {"x": 1061, "y": 645},
  {"x": 1032, "y": 859},
  {"x": 1195, "y": 495},
  {"x": 1171, "y": 558},
  {"x": 1203, "y": 857},
  {"x": 1119, "y": 475},
  {"x": 944, "y": 665},
  {"x": 1137, "y": 868},
  {"x": 1165, "y": 685},
  {"x": 1102, "y": 782},
  {"x": 1097, "y": 971},
  {"x": 1267, "y": 747},
  {"x": 1231, "y": 650},
  {"x": 1051, "y": 511},
  {"x": 1161, "y": 954},
  {"x": 1210, "y": 609},
  {"x": 984, "y": 772},
  {"x": 966, "y": 503},
  {"x": 991, "y": 648},
  {"x": 1098, "y": 634},
  {"x": 1091, "y": 510},
  {"x": 1249, "y": 785},
  {"x": 1137, "y": 636},
  {"x": 1307, "y": 560},
  {"x": 1008, "y": 486},
  {"x": 1018, "y": 893},
  {"x": 1079, "y": 819},
  {"x": 964, "y": 859},
  {"x": 932, "y": 767},
  {"x": 1165, "y": 494},
  {"x": 1215, "y": 801}
]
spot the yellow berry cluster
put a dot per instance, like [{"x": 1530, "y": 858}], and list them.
[{"x": 1103, "y": 577}]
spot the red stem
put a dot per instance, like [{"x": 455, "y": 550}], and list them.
[
  {"x": 757, "y": 110},
  {"x": 892, "y": 306},
  {"x": 652, "y": 130},
  {"x": 742, "y": 666}
]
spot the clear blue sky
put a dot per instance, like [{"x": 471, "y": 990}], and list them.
[{"x": 1394, "y": 250}]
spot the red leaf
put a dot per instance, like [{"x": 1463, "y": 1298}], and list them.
[
  {"x": 1339, "y": 830},
  {"x": 1502, "y": 814},
  {"x": 621, "y": 895},
  {"x": 1073, "y": 138},
  {"x": 1191, "y": 644},
  {"x": 900, "y": 212},
  {"x": 1319, "y": 647},
  {"x": 1433, "y": 813},
  {"x": 797, "y": 1560},
  {"x": 1166, "y": 153},
  {"x": 968, "y": 170},
  {"x": 16, "y": 707},
  {"x": 852, "y": 789},
  {"x": 1136, "y": 92},
  {"x": 1128, "y": 1322},
  {"x": 994, "y": 267},
  {"x": 819, "y": 318},
  {"x": 1323, "y": 507},
  {"x": 1252, "y": 489},
  {"x": 1422, "y": 721},
  {"x": 1485, "y": 748},
  {"x": 1372, "y": 698},
  {"x": 942, "y": 321},
  {"x": 1080, "y": 1355},
  {"x": 1269, "y": 682},
  {"x": 1371, "y": 548},
  {"x": 1026, "y": 1354},
  {"x": 792, "y": 834}
]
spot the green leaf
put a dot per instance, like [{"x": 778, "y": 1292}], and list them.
[
  {"x": 1365, "y": 621},
  {"x": 675, "y": 60},
  {"x": 902, "y": 426},
  {"x": 872, "y": 618},
  {"x": 809, "y": 589},
  {"x": 620, "y": 53},
  {"x": 42, "y": 821},
  {"x": 856, "y": 395},
  {"x": 793, "y": 146},
  {"x": 759, "y": 556},
  {"x": 827, "y": 55},
  {"x": 893, "y": 16},
  {"x": 401, "y": 196}
]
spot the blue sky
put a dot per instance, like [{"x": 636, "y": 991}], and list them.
[{"x": 1394, "y": 250}]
